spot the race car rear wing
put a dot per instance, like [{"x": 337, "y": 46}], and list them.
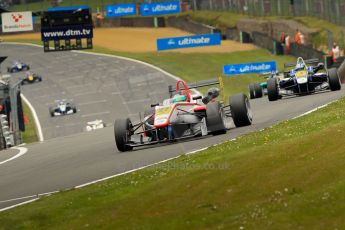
[
  {"x": 197, "y": 84},
  {"x": 312, "y": 61}
]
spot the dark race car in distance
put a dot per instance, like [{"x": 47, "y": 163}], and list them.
[
  {"x": 305, "y": 77},
  {"x": 62, "y": 107},
  {"x": 31, "y": 78},
  {"x": 17, "y": 66}
]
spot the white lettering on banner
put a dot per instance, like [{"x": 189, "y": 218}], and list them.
[
  {"x": 67, "y": 33},
  {"x": 190, "y": 41},
  {"x": 126, "y": 10},
  {"x": 171, "y": 42},
  {"x": 160, "y": 8},
  {"x": 262, "y": 67}
]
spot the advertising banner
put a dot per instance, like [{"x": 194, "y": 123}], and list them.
[
  {"x": 17, "y": 22},
  {"x": 70, "y": 32},
  {"x": 160, "y": 8},
  {"x": 244, "y": 68},
  {"x": 188, "y": 41},
  {"x": 120, "y": 10}
]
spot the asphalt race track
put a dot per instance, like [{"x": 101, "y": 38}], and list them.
[
  {"x": 101, "y": 87},
  {"x": 67, "y": 161}
]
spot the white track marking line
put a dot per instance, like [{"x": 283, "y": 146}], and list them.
[
  {"x": 22, "y": 151},
  {"x": 19, "y": 198},
  {"x": 92, "y": 102},
  {"x": 85, "y": 93},
  {"x": 76, "y": 86},
  {"x": 313, "y": 110},
  {"x": 19, "y": 204},
  {"x": 136, "y": 101},
  {"x": 95, "y": 114},
  {"x": 37, "y": 121},
  {"x": 71, "y": 78},
  {"x": 63, "y": 125}
]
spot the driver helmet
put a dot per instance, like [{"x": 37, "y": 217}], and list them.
[
  {"x": 179, "y": 98},
  {"x": 300, "y": 64}
]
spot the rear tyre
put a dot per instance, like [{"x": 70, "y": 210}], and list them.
[
  {"x": 215, "y": 118},
  {"x": 272, "y": 89},
  {"x": 333, "y": 79},
  {"x": 122, "y": 134},
  {"x": 240, "y": 110},
  {"x": 257, "y": 90},
  {"x": 251, "y": 91}
]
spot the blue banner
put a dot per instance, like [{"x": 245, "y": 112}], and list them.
[
  {"x": 120, "y": 10},
  {"x": 70, "y": 32},
  {"x": 67, "y": 8},
  {"x": 256, "y": 67},
  {"x": 188, "y": 41},
  {"x": 159, "y": 8}
]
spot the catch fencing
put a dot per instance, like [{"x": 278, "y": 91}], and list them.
[{"x": 330, "y": 10}]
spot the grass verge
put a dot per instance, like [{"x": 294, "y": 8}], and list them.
[
  {"x": 30, "y": 135},
  {"x": 289, "y": 176}
]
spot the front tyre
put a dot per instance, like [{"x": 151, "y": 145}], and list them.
[
  {"x": 122, "y": 133},
  {"x": 240, "y": 110},
  {"x": 333, "y": 79}
]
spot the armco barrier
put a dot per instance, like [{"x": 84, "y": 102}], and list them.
[
  {"x": 129, "y": 22},
  {"x": 263, "y": 41},
  {"x": 232, "y": 34},
  {"x": 331, "y": 64},
  {"x": 341, "y": 72},
  {"x": 306, "y": 52},
  {"x": 193, "y": 27}
]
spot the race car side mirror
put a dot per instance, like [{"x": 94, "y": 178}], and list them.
[
  {"x": 197, "y": 97},
  {"x": 154, "y": 105}
]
